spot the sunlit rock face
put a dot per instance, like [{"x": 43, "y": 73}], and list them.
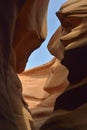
[
  {"x": 68, "y": 45},
  {"x": 43, "y": 81},
  {"x": 71, "y": 105},
  {"x": 58, "y": 88},
  {"x": 30, "y": 30},
  {"x": 73, "y": 15},
  {"x": 41, "y": 86}
]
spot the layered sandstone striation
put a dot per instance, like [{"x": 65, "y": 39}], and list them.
[{"x": 41, "y": 86}]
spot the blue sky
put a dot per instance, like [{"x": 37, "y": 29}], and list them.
[{"x": 42, "y": 55}]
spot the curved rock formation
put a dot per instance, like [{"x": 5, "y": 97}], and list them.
[
  {"x": 22, "y": 29},
  {"x": 45, "y": 81},
  {"x": 68, "y": 44},
  {"x": 30, "y": 30},
  {"x": 41, "y": 86},
  {"x": 70, "y": 106}
]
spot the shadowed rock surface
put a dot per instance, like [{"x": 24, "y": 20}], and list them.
[
  {"x": 68, "y": 44},
  {"x": 55, "y": 92},
  {"x": 22, "y": 29},
  {"x": 30, "y": 30},
  {"x": 70, "y": 107},
  {"x": 41, "y": 86}
]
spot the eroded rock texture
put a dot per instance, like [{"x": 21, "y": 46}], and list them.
[
  {"x": 30, "y": 30},
  {"x": 68, "y": 44},
  {"x": 70, "y": 107},
  {"x": 41, "y": 87},
  {"x": 22, "y": 29}
]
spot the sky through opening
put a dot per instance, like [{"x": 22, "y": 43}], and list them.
[{"x": 42, "y": 55}]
